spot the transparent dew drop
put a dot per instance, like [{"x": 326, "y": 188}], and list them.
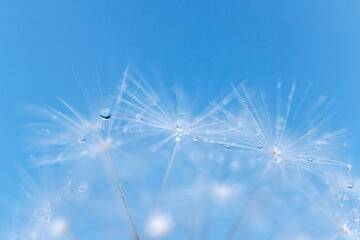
[
  {"x": 348, "y": 167},
  {"x": 181, "y": 123},
  {"x": 227, "y": 147},
  {"x": 310, "y": 159},
  {"x": 356, "y": 218},
  {"x": 139, "y": 117},
  {"x": 61, "y": 197},
  {"x": 82, "y": 139},
  {"x": 346, "y": 197},
  {"x": 260, "y": 147},
  {"x": 350, "y": 185},
  {"x": 105, "y": 114},
  {"x": 45, "y": 218},
  {"x": 278, "y": 85},
  {"x": 195, "y": 138},
  {"x": 83, "y": 187}
]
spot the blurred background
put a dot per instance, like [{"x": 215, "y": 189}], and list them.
[{"x": 202, "y": 46}]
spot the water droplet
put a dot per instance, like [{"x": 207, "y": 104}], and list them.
[
  {"x": 260, "y": 147},
  {"x": 177, "y": 138},
  {"x": 105, "y": 114},
  {"x": 45, "y": 218},
  {"x": 181, "y": 123},
  {"x": 139, "y": 117},
  {"x": 48, "y": 131},
  {"x": 83, "y": 187},
  {"x": 242, "y": 101},
  {"x": 278, "y": 85},
  {"x": 82, "y": 139},
  {"x": 227, "y": 147},
  {"x": 346, "y": 197},
  {"x": 356, "y": 218},
  {"x": 348, "y": 167},
  {"x": 196, "y": 138},
  {"x": 310, "y": 159},
  {"x": 350, "y": 185}
]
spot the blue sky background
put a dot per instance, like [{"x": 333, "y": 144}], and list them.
[{"x": 203, "y": 46}]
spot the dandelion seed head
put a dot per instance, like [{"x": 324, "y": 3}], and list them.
[
  {"x": 345, "y": 229},
  {"x": 275, "y": 152}
]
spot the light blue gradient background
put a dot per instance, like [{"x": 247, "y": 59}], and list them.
[{"x": 202, "y": 45}]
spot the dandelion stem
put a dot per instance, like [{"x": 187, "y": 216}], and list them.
[
  {"x": 231, "y": 233},
  {"x": 122, "y": 196},
  {"x": 335, "y": 237},
  {"x": 166, "y": 176}
]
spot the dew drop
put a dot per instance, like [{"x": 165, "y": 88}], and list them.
[
  {"x": 310, "y": 159},
  {"x": 83, "y": 187},
  {"x": 139, "y": 117},
  {"x": 105, "y": 114},
  {"x": 195, "y": 138},
  {"x": 356, "y": 218},
  {"x": 227, "y": 147},
  {"x": 46, "y": 218},
  {"x": 48, "y": 131},
  {"x": 260, "y": 147},
  {"x": 350, "y": 185},
  {"x": 348, "y": 167},
  {"x": 82, "y": 139},
  {"x": 279, "y": 85},
  {"x": 181, "y": 123}
]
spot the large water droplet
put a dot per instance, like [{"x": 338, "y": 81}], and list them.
[
  {"x": 181, "y": 123},
  {"x": 310, "y": 159},
  {"x": 350, "y": 185},
  {"x": 105, "y": 114},
  {"x": 278, "y": 85},
  {"x": 227, "y": 147},
  {"x": 139, "y": 117}
]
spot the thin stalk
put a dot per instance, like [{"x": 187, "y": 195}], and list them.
[
  {"x": 122, "y": 196},
  {"x": 166, "y": 176},
  {"x": 231, "y": 233},
  {"x": 335, "y": 237},
  {"x": 164, "y": 182}
]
